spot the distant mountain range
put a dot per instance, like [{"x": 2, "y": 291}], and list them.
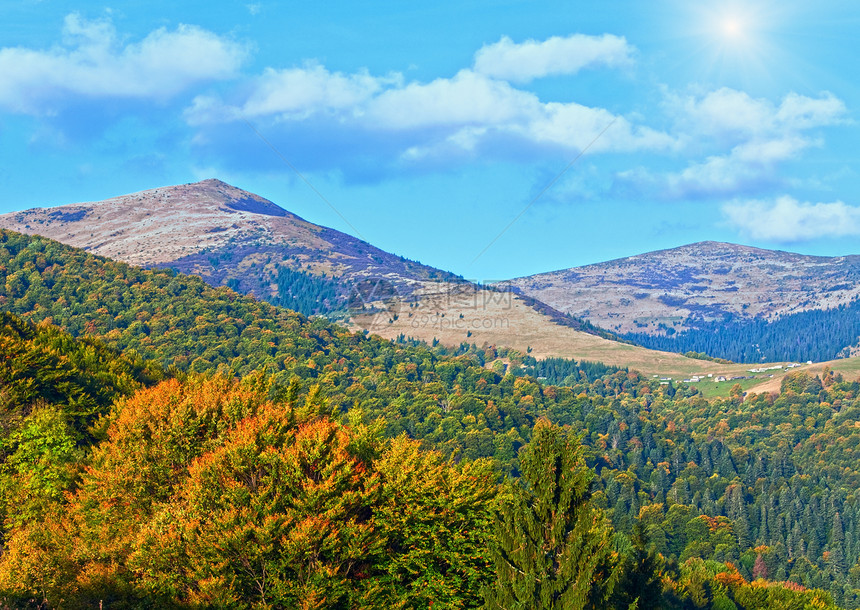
[
  {"x": 699, "y": 283},
  {"x": 235, "y": 238},
  {"x": 726, "y": 300},
  {"x": 737, "y": 302}
]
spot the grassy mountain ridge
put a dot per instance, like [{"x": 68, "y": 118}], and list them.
[
  {"x": 734, "y": 302},
  {"x": 235, "y": 238},
  {"x": 731, "y": 301},
  {"x": 706, "y": 280}
]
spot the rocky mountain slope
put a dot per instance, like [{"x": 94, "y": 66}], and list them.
[
  {"x": 683, "y": 287},
  {"x": 232, "y": 237},
  {"x": 219, "y": 232}
]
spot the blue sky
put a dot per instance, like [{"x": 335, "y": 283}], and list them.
[{"x": 493, "y": 139}]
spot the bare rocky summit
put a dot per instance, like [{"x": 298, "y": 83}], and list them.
[
  {"x": 219, "y": 232},
  {"x": 704, "y": 281}
]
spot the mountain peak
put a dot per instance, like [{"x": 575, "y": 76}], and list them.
[
  {"x": 172, "y": 222},
  {"x": 703, "y": 281},
  {"x": 214, "y": 182},
  {"x": 238, "y": 200},
  {"x": 711, "y": 248},
  {"x": 217, "y": 231},
  {"x": 211, "y": 193}
]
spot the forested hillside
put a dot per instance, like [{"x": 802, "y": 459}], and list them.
[
  {"x": 53, "y": 391},
  {"x": 766, "y": 485},
  {"x": 307, "y": 294},
  {"x": 818, "y": 335},
  {"x": 208, "y": 493},
  {"x": 46, "y": 365},
  {"x": 729, "y": 301}
]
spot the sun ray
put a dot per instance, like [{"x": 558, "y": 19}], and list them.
[{"x": 737, "y": 42}]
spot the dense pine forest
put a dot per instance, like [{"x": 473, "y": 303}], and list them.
[
  {"x": 818, "y": 335},
  {"x": 170, "y": 444},
  {"x": 309, "y": 294}
]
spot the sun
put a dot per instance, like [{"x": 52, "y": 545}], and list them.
[
  {"x": 732, "y": 27},
  {"x": 729, "y": 26},
  {"x": 734, "y": 36},
  {"x": 736, "y": 43}
]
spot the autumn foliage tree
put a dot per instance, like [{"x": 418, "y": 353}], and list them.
[{"x": 208, "y": 494}]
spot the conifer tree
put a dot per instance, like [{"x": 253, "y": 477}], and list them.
[
  {"x": 553, "y": 547},
  {"x": 639, "y": 586}
]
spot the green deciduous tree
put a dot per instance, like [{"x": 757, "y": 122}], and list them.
[
  {"x": 437, "y": 518},
  {"x": 41, "y": 466}
]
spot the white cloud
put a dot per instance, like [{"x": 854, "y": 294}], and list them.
[
  {"x": 771, "y": 150},
  {"x": 746, "y": 167},
  {"x": 715, "y": 175},
  {"x": 206, "y": 109},
  {"x": 522, "y": 62},
  {"x": 298, "y": 92},
  {"x": 93, "y": 63},
  {"x": 576, "y": 126},
  {"x": 801, "y": 112},
  {"x": 465, "y": 99},
  {"x": 726, "y": 112},
  {"x": 743, "y": 141},
  {"x": 445, "y": 116},
  {"x": 733, "y": 143},
  {"x": 788, "y": 220}
]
